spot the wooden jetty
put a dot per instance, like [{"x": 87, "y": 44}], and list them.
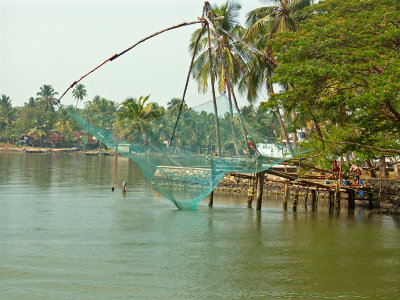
[{"x": 313, "y": 184}]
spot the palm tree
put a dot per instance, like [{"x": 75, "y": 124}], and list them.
[
  {"x": 227, "y": 61},
  {"x": 264, "y": 23},
  {"x": 7, "y": 113},
  {"x": 47, "y": 97},
  {"x": 78, "y": 93},
  {"x": 134, "y": 118},
  {"x": 232, "y": 55},
  {"x": 31, "y": 103}
]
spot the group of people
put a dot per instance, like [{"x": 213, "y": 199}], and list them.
[{"x": 354, "y": 169}]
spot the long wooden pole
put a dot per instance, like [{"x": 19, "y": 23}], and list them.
[
  {"x": 213, "y": 92},
  {"x": 212, "y": 26},
  {"x": 115, "y": 56},
  {"x": 228, "y": 81},
  {"x": 244, "y": 131},
  {"x": 186, "y": 84}
]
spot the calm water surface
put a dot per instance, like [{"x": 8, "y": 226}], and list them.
[{"x": 65, "y": 235}]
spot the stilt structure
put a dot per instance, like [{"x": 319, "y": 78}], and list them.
[
  {"x": 306, "y": 198},
  {"x": 286, "y": 198},
  {"x": 260, "y": 189},
  {"x": 351, "y": 199},
  {"x": 250, "y": 194},
  {"x": 211, "y": 199},
  {"x": 331, "y": 201},
  {"x": 314, "y": 199}
]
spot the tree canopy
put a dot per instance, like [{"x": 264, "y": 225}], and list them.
[{"x": 342, "y": 68}]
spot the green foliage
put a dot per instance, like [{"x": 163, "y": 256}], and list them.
[
  {"x": 47, "y": 98},
  {"x": 79, "y": 92},
  {"x": 7, "y": 113},
  {"x": 342, "y": 68},
  {"x": 133, "y": 118},
  {"x": 231, "y": 52}
]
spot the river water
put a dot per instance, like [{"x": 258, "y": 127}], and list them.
[{"x": 65, "y": 235}]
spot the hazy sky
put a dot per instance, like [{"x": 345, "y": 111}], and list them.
[{"x": 57, "y": 41}]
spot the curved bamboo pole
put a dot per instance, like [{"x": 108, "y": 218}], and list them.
[
  {"x": 187, "y": 82},
  {"x": 115, "y": 56}
]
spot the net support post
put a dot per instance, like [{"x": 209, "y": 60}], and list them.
[
  {"x": 314, "y": 199},
  {"x": 260, "y": 189}
]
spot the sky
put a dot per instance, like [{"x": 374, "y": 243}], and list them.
[{"x": 57, "y": 41}]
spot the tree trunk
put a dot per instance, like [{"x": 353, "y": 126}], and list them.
[
  {"x": 270, "y": 89},
  {"x": 293, "y": 115},
  {"x": 213, "y": 94},
  {"x": 383, "y": 170},
  {"x": 395, "y": 167},
  {"x": 372, "y": 172},
  {"x": 244, "y": 131},
  {"x": 347, "y": 155},
  {"x": 232, "y": 123},
  {"x": 210, "y": 22}
]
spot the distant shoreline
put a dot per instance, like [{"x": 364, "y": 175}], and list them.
[{"x": 4, "y": 148}]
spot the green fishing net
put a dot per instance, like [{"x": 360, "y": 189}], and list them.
[{"x": 189, "y": 168}]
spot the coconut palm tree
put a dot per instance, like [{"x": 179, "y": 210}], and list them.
[
  {"x": 232, "y": 54},
  {"x": 79, "y": 92},
  {"x": 31, "y": 103},
  {"x": 7, "y": 113},
  {"x": 47, "y": 97},
  {"x": 174, "y": 104},
  {"x": 134, "y": 118},
  {"x": 227, "y": 61},
  {"x": 264, "y": 23}
]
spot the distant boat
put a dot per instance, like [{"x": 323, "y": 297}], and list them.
[
  {"x": 107, "y": 153},
  {"x": 92, "y": 152}
]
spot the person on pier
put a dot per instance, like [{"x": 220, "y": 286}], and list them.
[
  {"x": 335, "y": 169},
  {"x": 252, "y": 147},
  {"x": 356, "y": 173}
]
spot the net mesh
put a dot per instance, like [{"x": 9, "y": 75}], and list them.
[{"x": 189, "y": 169}]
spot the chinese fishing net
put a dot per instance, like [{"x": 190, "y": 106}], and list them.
[{"x": 190, "y": 168}]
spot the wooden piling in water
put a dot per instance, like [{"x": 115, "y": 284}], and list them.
[
  {"x": 314, "y": 199},
  {"x": 370, "y": 199},
  {"x": 337, "y": 200},
  {"x": 331, "y": 200},
  {"x": 306, "y": 199},
  {"x": 285, "y": 199},
  {"x": 260, "y": 189},
  {"x": 295, "y": 200},
  {"x": 250, "y": 194},
  {"x": 351, "y": 199},
  {"x": 211, "y": 199}
]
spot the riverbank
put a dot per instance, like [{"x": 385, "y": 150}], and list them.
[{"x": 11, "y": 148}]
